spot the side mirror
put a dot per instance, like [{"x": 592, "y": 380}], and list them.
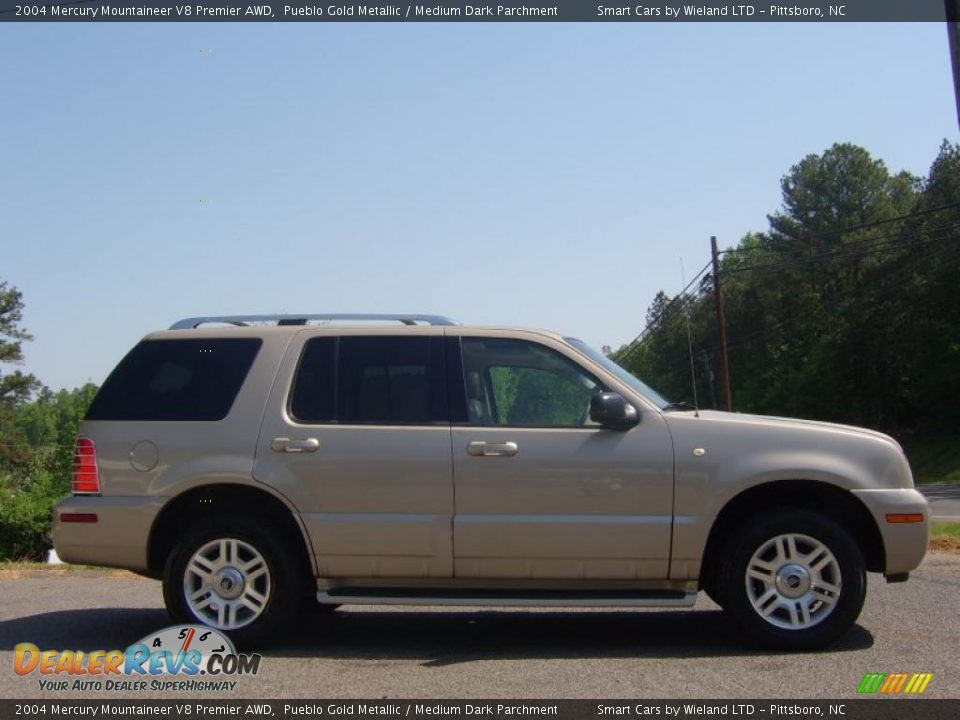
[{"x": 613, "y": 412}]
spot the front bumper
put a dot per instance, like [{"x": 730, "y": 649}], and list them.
[
  {"x": 118, "y": 538},
  {"x": 905, "y": 544}
]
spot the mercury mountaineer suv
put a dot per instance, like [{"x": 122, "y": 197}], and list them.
[{"x": 257, "y": 463}]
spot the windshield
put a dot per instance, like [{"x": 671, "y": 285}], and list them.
[{"x": 610, "y": 366}]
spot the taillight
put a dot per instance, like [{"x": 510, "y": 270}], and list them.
[{"x": 86, "y": 474}]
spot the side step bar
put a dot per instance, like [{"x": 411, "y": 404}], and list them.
[{"x": 503, "y": 598}]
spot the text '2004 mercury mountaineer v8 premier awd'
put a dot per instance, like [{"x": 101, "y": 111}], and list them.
[{"x": 255, "y": 463}]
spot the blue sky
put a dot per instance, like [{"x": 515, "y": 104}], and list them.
[{"x": 546, "y": 175}]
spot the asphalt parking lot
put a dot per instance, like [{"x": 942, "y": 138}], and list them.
[{"x": 390, "y": 652}]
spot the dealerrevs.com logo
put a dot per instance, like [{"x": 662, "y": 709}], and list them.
[{"x": 182, "y": 657}]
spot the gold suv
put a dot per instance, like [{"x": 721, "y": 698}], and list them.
[{"x": 255, "y": 463}]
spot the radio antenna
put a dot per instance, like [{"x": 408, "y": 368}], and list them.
[{"x": 693, "y": 369}]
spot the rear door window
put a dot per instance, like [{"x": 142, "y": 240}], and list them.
[
  {"x": 391, "y": 380},
  {"x": 176, "y": 380},
  {"x": 387, "y": 380}
]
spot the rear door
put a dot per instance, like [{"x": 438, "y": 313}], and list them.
[
  {"x": 541, "y": 492},
  {"x": 356, "y": 434}
]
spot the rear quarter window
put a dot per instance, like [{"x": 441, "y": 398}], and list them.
[{"x": 192, "y": 379}]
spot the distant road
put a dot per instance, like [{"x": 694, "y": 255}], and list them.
[{"x": 944, "y": 501}]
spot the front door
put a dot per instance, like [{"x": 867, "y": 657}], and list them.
[{"x": 541, "y": 492}]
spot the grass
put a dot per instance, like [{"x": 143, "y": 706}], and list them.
[
  {"x": 945, "y": 530},
  {"x": 945, "y": 536},
  {"x": 934, "y": 458},
  {"x": 13, "y": 569}
]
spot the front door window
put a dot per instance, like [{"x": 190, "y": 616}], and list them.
[{"x": 515, "y": 383}]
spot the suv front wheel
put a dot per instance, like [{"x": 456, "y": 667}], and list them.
[
  {"x": 793, "y": 579},
  {"x": 235, "y": 576}
]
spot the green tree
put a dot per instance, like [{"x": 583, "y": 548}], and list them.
[
  {"x": 16, "y": 386},
  {"x": 829, "y": 194},
  {"x": 824, "y": 358},
  {"x": 36, "y": 441},
  {"x": 845, "y": 308},
  {"x": 917, "y": 308},
  {"x": 48, "y": 424}
]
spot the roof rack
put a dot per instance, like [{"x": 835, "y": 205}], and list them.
[{"x": 242, "y": 320}]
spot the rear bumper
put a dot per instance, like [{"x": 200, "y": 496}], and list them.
[
  {"x": 119, "y": 536},
  {"x": 905, "y": 544}
]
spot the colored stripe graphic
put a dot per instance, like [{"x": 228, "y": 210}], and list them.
[
  {"x": 894, "y": 683},
  {"x": 871, "y": 682},
  {"x": 922, "y": 685}
]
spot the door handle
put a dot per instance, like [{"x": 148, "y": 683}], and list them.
[
  {"x": 306, "y": 445},
  {"x": 479, "y": 448}
]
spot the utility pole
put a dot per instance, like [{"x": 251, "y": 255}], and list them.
[
  {"x": 721, "y": 325},
  {"x": 953, "y": 35},
  {"x": 711, "y": 378}
]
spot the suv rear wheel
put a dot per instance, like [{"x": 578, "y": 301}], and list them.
[
  {"x": 793, "y": 579},
  {"x": 235, "y": 576}
]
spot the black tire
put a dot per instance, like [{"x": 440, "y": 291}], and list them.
[
  {"x": 283, "y": 590},
  {"x": 840, "y": 580}
]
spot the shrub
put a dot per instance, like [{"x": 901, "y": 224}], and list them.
[{"x": 26, "y": 515}]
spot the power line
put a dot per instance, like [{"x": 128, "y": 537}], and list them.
[
  {"x": 778, "y": 331},
  {"x": 858, "y": 246},
  {"x": 893, "y": 276},
  {"x": 864, "y": 226},
  {"x": 627, "y": 350},
  {"x": 621, "y": 355},
  {"x": 844, "y": 253},
  {"x": 841, "y": 253},
  {"x": 875, "y": 245}
]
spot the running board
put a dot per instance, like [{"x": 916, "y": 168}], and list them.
[{"x": 505, "y": 598}]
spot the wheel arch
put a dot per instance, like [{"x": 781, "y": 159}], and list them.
[
  {"x": 192, "y": 505},
  {"x": 814, "y": 495}
]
